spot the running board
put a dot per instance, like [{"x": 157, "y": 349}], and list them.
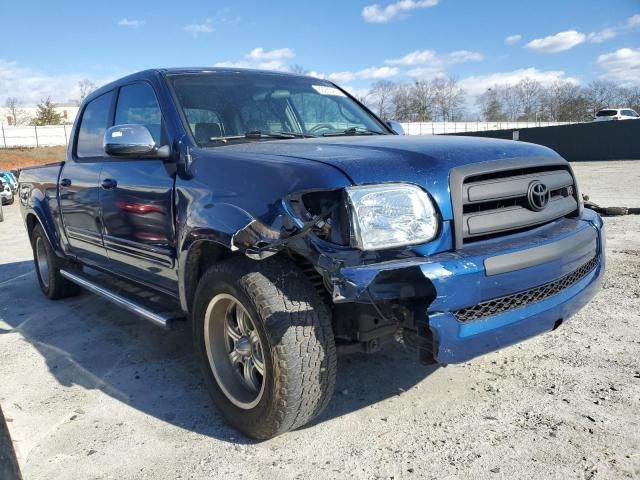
[{"x": 160, "y": 319}]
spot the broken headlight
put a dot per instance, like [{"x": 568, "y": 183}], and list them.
[{"x": 391, "y": 215}]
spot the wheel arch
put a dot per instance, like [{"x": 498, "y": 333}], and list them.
[{"x": 194, "y": 262}]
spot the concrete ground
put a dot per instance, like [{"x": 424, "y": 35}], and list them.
[{"x": 90, "y": 391}]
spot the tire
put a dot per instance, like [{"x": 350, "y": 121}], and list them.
[
  {"x": 297, "y": 346},
  {"x": 48, "y": 266},
  {"x": 13, "y": 198},
  {"x": 1, "y": 213}
]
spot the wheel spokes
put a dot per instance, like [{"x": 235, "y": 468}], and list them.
[
  {"x": 242, "y": 321},
  {"x": 235, "y": 357},
  {"x": 248, "y": 372},
  {"x": 231, "y": 330}
]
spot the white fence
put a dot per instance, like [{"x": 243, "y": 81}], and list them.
[
  {"x": 439, "y": 128},
  {"x": 33, "y": 136},
  {"x": 59, "y": 135}
]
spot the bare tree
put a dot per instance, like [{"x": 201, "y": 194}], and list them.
[
  {"x": 510, "y": 101},
  {"x": 423, "y": 96},
  {"x": 529, "y": 92},
  {"x": 381, "y": 98},
  {"x": 299, "y": 69},
  {"x": 563, "y": 102},
  {"x": 18, "y": 114},
  {"x": 403, "y": 104},
  {"x": 448, "y": 98},
  {"x": 86, "y": 86},
  {"x": 601, "y": 94},
  {"x": 490, "y": 105}
]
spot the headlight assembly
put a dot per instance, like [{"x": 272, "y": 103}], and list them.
[{"x": 391, "y": 215}]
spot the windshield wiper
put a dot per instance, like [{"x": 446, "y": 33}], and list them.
[
  {"x": 353, "y": 131},
  {"x": 261, "y": 134},
  {"x": 257, "y": 134}
]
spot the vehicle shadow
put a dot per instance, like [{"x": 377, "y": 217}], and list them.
[{"x": 86, "y": 341}]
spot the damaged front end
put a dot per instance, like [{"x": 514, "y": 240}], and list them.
[{"x": 376, "y": 297}]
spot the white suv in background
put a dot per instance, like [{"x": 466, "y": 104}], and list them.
[{"x": 616, "y": 114}]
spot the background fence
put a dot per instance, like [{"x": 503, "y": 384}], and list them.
[
  {"x": 31, "y": 136},
  {"x": 581, "y": 141},
  {"x": 439, "y": 128}
]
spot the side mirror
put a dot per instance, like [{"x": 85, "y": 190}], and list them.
[
  {"x": 396, "y": 127},
  {"x": 132, "y": 141}
]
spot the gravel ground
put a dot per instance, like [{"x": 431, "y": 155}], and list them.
[{"x": 90, "y": 391}]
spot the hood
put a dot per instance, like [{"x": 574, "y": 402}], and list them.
[{"x": 425, "y": 161}]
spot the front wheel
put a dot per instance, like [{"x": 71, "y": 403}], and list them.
[{"x": 265, "y": 344}]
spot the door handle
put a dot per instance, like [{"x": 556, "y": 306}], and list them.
[
  {"x": 65, "y": 182},
  {"x": 109, "y": 183}
]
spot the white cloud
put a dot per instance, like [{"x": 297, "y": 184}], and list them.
[
  {"x": 634, "y": 21},
  {"x": 478, "y": 84},
  {"x": 602, "y": 35},
  {"x": 125, "y": 22},
  {"x": 425, "y": 72},
  {"x": 512, "y": 39},
  {"x": 342, "y": 77},
  {"x": 623, "y": 65},
  {"x": 263, "y": 59},
  {"x": 30, "y": 86},
  {"x": 278, "y": 54},
  {"x": 557, "y": 43},
  {"x": 460, "y": 56},
  {"x": 428, "y": 63},
  {"x": 197, "y": 29},
  {"x": 430, "y": 57},
  {"x": 377, "y": 73},
  {"x": 419, "y": 57},
  {"x": 371, "y": 73},
  {"x": 377, "y": 14}
]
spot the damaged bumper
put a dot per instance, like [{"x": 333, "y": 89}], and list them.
[{"x": 493, "y": 293}]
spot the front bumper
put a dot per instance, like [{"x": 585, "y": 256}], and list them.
[{"x": 497, "y": 269}]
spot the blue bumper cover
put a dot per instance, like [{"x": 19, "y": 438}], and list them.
[{"x": 461, "y": 281}]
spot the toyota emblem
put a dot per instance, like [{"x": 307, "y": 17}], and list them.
[{"x": 538, "y": 196}]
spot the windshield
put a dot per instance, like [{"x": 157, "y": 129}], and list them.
[{"x": 219, "y": 107}]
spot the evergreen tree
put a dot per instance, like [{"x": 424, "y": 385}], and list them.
[{"x": 46, "y": 114}]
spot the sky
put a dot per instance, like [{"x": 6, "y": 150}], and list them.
[{"x": 48, "y": 47}]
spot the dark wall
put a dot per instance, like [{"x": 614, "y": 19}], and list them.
[{"x": 611, "y": 140}]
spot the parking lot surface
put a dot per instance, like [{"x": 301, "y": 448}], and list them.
[{"x": 90, "y": 391}]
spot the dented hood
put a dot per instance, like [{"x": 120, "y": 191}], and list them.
[{"x": 425, "y": 161}]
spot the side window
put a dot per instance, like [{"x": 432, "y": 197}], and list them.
[
  {"x": 95, "y": 120},
  {"x": 137, "y": 104}
]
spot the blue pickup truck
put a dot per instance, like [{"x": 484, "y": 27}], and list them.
[{"x": 288, "y": 223}]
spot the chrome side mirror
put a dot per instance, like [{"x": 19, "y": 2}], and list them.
[
  {"x": 396, "y": 127},
  {"x": 132, "y": 141}
]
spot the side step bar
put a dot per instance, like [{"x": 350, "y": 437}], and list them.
[{"x": 159, "y": 319}]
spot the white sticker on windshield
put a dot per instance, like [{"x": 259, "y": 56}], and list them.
[
  {"x": 327, "y": 90},
  {"x": 116, "y": 134}
]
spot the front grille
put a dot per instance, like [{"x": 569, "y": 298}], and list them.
[
  {"x": 492, "y": 199},
  {"x": 536, "y": 294}
]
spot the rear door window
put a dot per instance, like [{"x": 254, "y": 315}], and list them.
[
  {"x": 95, "y": 120},
  {"x": 606, "y": 113}
]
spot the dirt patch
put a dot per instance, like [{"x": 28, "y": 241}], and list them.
[{"x": 15, "y": 158}]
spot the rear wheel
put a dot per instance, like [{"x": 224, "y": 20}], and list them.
[
  {"x": 48, "y": 266},
  {"x": 265, "y": 344}
]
